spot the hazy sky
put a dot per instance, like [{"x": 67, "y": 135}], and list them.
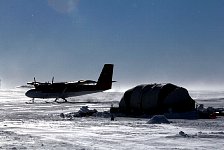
[{"x": 177, "y": 41}]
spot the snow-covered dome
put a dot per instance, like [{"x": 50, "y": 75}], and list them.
[{"x": 156, "y": 98}]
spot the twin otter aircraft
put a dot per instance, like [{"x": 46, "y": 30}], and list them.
[{"x": 64, "y": 90}]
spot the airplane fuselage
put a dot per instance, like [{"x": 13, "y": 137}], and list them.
[
  {"x": 40, "y": 94},
  {"x": 61, "y": 91}
]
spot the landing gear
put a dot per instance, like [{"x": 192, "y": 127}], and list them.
[
  {"x": 56, "y": 100},
  {"x": 65, "y": 100},
  {"x": 31, "y": 101}
]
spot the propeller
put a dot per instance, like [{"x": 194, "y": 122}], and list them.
[
  {"x": 52, "y": 80},
  {"x": 34, "y": 82}
]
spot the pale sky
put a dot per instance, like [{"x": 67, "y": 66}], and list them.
[{"x": 148, "y": 41}]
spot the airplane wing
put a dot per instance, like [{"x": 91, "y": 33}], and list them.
[{"x": 82, "y": 82}]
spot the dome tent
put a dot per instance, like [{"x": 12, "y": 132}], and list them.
[{"x": 156, "y": 98}]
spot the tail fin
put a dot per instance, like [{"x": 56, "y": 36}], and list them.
[{"x": 105, "y": 80}]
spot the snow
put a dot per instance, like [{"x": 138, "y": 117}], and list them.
[
  {"x": 39, "y": 125},
  {"x": 158, "y": 119}
]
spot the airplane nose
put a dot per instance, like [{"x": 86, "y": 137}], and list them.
[{"x": 29, "y": 93}]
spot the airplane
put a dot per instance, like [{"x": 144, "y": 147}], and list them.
[{"x": 63, "y": 90}]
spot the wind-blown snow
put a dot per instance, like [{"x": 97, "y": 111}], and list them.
[{"x": 39, "y": 126}]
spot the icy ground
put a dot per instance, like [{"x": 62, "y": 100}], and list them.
[{"x": 39, "y": 126}]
